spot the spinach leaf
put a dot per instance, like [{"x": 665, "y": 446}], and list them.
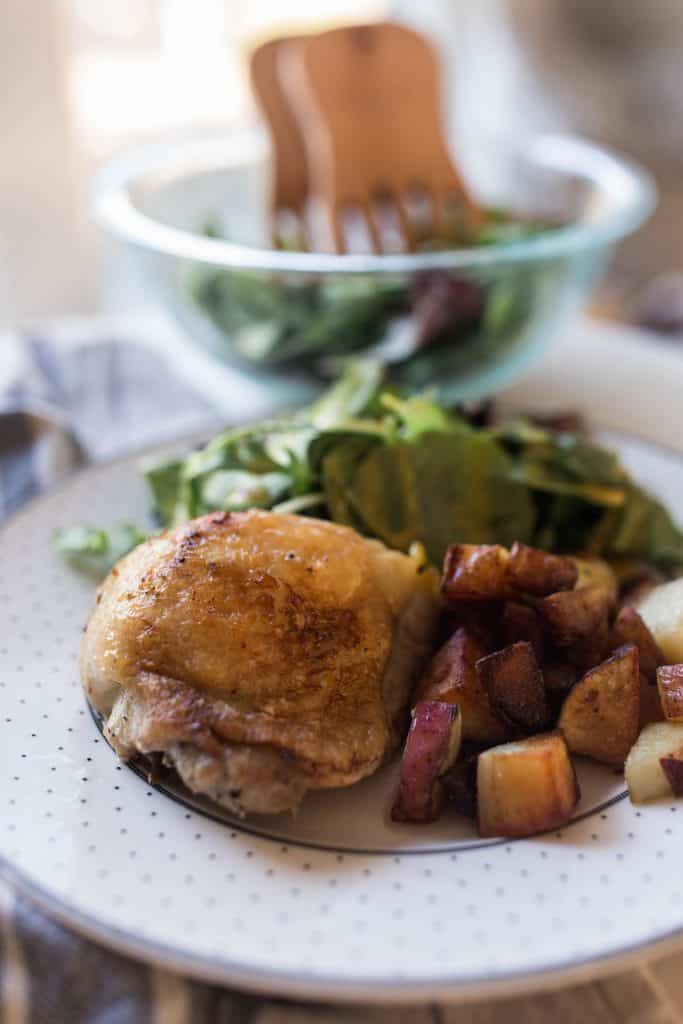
[
  {"x": 405, "y": 469},
  {"x": 586, "y": 500},
  {"x": 443, "y": 487}
]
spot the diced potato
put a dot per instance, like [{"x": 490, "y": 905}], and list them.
[
  {"x": 645, "y": 776},
  {"x": 525, "y": 787},
  {"x": 600, "y": 717},
  {"x": 452, "y": 677},
  {"x": 670, "y": 687},
  {"x": 594, "y": 572},
  {"x": 475, "y": 572},
  {"x": 574, "y": 616},
  {"x": 431, "y": 748},
  {"x": 662, "y": 613},
  {"x": 514, "y": 684},
  {"x": 629, "y": 628},
  {"x": 522, "y": 622},
  {"x": 538, "y": 572}
]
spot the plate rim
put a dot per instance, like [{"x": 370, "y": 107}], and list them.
[{"x": 447, "y": 988}]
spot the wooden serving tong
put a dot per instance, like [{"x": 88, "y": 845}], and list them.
[
  {"x": 355, "y": 121},
  {"x": 290, "y": 185}
]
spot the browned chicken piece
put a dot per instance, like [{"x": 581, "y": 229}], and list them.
[{"x": 262, "y": 654}]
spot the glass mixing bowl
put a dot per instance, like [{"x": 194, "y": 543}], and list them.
[{"x": 466, "y": 321}]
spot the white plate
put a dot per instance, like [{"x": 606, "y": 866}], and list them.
[{"x": 338, "y": 902}]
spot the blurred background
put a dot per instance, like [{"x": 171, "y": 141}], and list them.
[{"x": 81, "y": 80}]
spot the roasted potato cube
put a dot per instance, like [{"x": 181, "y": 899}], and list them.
[
  {"x": 452, "y": 677},
  {"x": 645, "y": 775},
  {"x": 629, "y": 628},
  {"x": 514, "y": 684},
  {"x": 670, "y": 688},
  {"x": 573, "y": 616},
  {"x": 538, "y": 572},
  {"x": 662, "y": 613},
  {"x": 594, "y": 572},
  {"x": 475, "y": 572},
  {"x": 600, "y": 717},
  {"x": 525, "y": 787},
  {"x": 431, "y": 748},
  {"x": 522, "y": 622}
]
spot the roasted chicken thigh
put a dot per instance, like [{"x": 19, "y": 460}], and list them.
[{"x": 263, "y": 655}]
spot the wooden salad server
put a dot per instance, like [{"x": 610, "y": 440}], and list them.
[
  {"x": 289, "y": 187},
  {"x": 367, "y": 99}
]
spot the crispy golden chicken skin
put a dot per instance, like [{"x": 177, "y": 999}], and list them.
[{"x": 262, "y": 654}]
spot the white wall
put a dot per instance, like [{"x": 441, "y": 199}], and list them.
[{"x": 46, "y": 250}]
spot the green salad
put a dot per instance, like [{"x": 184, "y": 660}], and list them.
[
  {"x": 418, "y": 324},
  {"x": 407, "y": 469}
]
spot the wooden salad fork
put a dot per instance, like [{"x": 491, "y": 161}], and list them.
[
  {"x": 367, "y": 100},
  {"x": 290, "y": 186}
]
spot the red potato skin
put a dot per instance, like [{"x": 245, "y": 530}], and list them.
[
  {"x": 670, "y": 691},
  {"x": 672, "y": 766},
  {"x": 421, "y": 796}
]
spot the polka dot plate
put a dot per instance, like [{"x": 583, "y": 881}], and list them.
[{"x": 337, "y": 902}]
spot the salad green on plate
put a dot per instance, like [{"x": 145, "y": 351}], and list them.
[{"x": 405, "y": 468}]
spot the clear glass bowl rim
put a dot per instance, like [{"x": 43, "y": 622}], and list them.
[{"x": 114, "y": 209}]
